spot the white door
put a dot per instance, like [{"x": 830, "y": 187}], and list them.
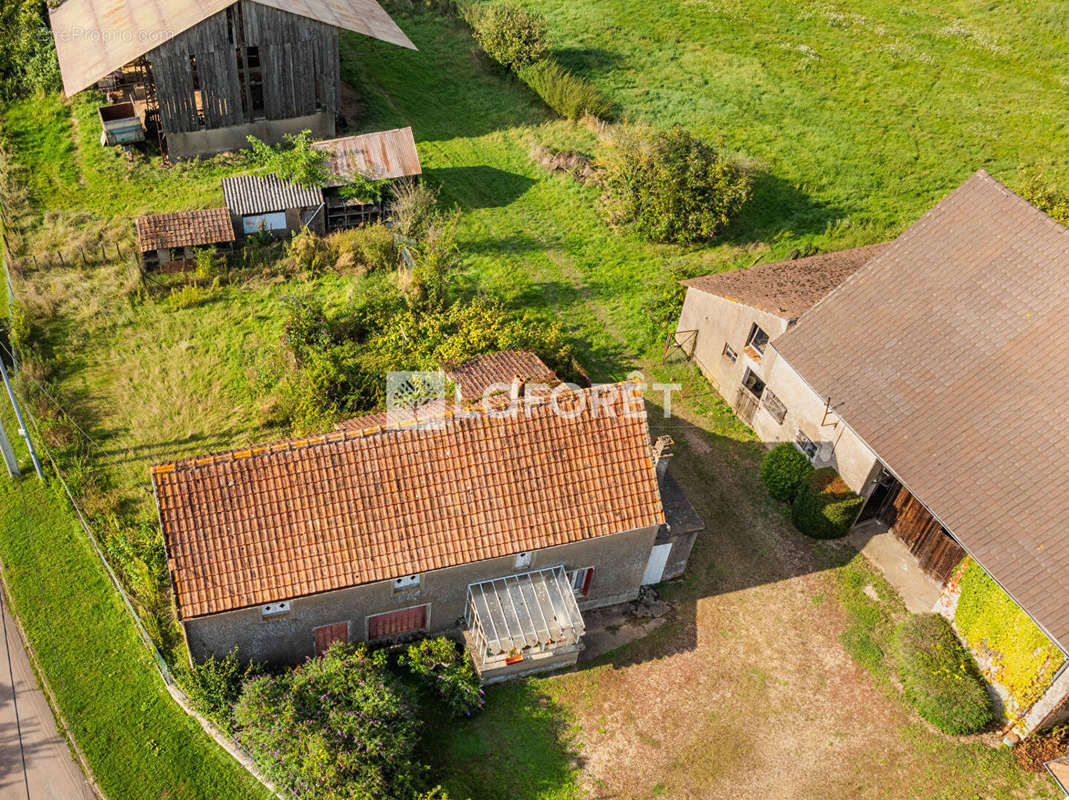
[{"x": 655, "y": 566}]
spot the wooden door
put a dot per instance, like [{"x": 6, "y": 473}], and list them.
[
  {"x": 327, "y": 635},
  {"x": 935, "y": 549},
  {"x": 745, "y": 405}
]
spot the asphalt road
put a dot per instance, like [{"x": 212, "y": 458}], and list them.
[{"x": 35, "y": 761}]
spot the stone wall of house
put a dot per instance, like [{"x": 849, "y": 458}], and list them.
[
  {"x": 720, "y": 321},
  {"x": 618, "y": 561}
]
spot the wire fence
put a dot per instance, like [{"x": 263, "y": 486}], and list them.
[{"x": 162, "y": 666}]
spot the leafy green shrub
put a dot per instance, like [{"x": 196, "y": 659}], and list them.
[
  {"x": 448, "y": 672},
  {"x": 294, "y": 160},
  {"x": 783, "y": 470},
  {"x": 214, "y": 686},
  {"x": 1046, "y": 196},
  {"x": 1039, "y": 748},
  {"x": 570, "y": 96},
  {"x": 1024, "y": 659},
  {"x": 337, "y": 726},
  {"x": 510, "y": 34},
  {"x": 27, "y": 50},
  {"x": 824, "y": 507},
  {"x": 670, "y": 186},
  {"x": 939, "y": 677}
]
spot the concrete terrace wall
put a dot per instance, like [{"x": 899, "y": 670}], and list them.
[{"x": 618, "y": 561}]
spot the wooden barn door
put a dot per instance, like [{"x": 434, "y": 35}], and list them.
[
  {"x": 745, "y": 405},
  {"x": 926, "y": 539}
]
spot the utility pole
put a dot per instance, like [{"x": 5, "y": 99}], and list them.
[
  {"x": 8, "y": 454},
  {"x": 18, "y": 417}
]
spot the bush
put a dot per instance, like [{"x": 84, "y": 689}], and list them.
[
  {"x": 370, "y": 247},
  {"x": 213, "y": 687},
  {"x": 571, "y": 97},
  {"x": 336, "y": 727},
  {"x": 670, "y": 186},
  {"x": 939, "y": 677},
  {"x": 824, "y": 507},
  {"x": 1039, "y": 748},
  {"x": 294, "y": 160},
  {"x": 448, "y": 672},
  {"x": 511, "y": 35},
  {"x": 412, "y": 208},
  {"x": 784, "y": 468}
]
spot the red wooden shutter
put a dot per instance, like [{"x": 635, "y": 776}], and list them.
[
  {"x": 394, "y": 623},
  {"x": 586, "y": 581},
  {"x": 329, "y": 634}
]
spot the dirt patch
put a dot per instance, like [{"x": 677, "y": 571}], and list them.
[{"x": 572, "y": 162}]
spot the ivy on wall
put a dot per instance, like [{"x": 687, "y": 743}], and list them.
[{"x": 1025, "y": 659}]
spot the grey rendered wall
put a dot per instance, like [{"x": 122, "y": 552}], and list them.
[
  {"x": 618, "y": 562},
  {"x": 682, "y": 544}
]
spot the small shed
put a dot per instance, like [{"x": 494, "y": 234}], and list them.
[
  {"x": 166, "y": 241},
  {"x": 267, "y": 203},
  {"x": 381, "y": 156}
]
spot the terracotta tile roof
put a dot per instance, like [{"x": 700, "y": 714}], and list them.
[
  {"x": 305, "y": 516},
  {"x": 478, "y": 374},
  {"x": 787, "y": 288},
  {"x": 184, "y": 229},
  {"x": 948, "y": 354}
]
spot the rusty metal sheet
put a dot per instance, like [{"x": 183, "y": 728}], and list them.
[{"x": 376, "y": 156}]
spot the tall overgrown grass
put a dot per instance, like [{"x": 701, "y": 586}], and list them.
[{"x": 569, "y": 96}]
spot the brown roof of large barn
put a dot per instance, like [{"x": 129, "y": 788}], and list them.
[
  {"x": 376, "y": 156},
  {"x": 787, "y": 288},
  {"x": 345, "y": 508},
  {"x": 184, "y": 229},
  {"x": 95, "y": 37},
  {"x": 476, "y": 375},
  {"x": 948, "y": 354}
]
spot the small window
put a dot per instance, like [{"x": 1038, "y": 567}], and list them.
[
  {"x": 407, "y": 582},
  {"x": 194, "y": 73},
  {"x": 729, "y": 353},
  {"x": 753, "y": 383},
  {"x": 271, "y": 610},
  {"x": 806, "y": 445},
  {"x": 580, "y": 579},
  {"x": 397, "y": 623},
  {"x": 523, "y": 560},
  {"x": 773, "y": 405},
  {"x": 756, "y": 342}
]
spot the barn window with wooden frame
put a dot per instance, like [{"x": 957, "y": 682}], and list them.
[
  {"x": 752, "y": 383},
  {"x": 580, "y": 580},
  {"x": 756, "y": 342},
  {"x": 773, "y": 405},
  {"x": 729, "y": 353},
  {"x": 805, "y": 444}
]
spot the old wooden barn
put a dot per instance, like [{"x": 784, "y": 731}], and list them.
[{"x": 209, "y": 73}]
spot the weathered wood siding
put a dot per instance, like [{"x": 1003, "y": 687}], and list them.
[
  {"x": 295, "y": 52},
  {"x": 936, "y": 552}
]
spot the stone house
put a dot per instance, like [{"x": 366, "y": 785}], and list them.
[
  {"x": 930, "y": 372},
  {"x": 499, "y": 528},
  {"x": 205, "y": 75}
]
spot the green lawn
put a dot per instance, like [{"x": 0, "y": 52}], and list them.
[
  {"x": 856, "y": 120},
  {"x": 138, "y": 741}
]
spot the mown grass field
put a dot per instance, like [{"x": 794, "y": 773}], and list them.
[{"x": 856, "y": 119}]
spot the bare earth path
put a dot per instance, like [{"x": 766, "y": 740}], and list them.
[{"x": 35, "y": 761}]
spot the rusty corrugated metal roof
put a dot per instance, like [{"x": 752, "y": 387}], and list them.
[
  {"x": 375, "y": 156},
  {"x": 350, "y": 507},
  {"x": 96, "y": 37},
  {"x": 948, "y": 354},
  {"x": 264, "y": 194}
]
